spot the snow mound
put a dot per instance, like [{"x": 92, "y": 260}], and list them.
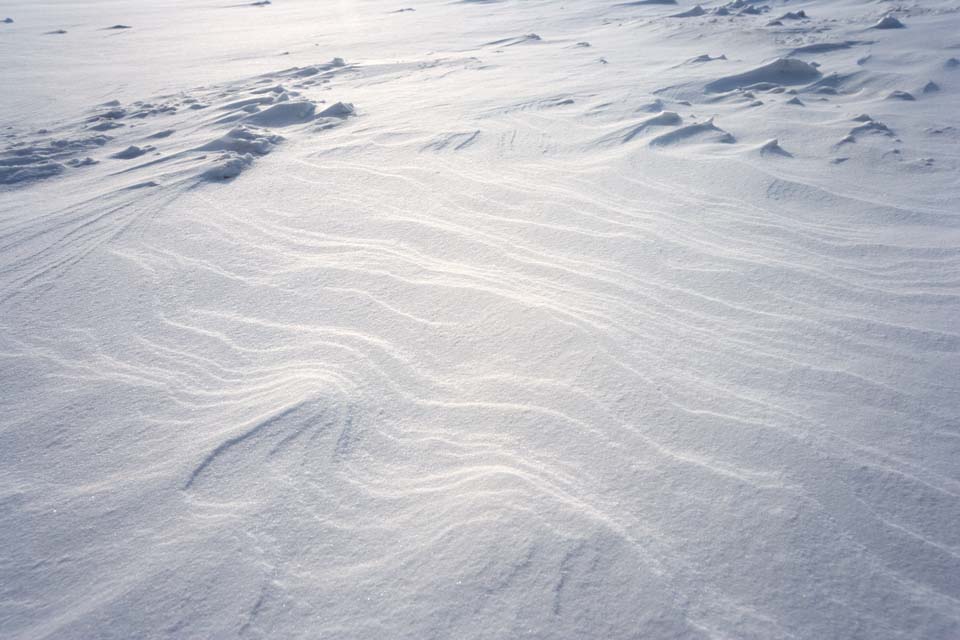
[
  {"x": 25, "y": 163},
  {"x": 23, "y": 170},
  {"x": 244, "y": 140},
  {"x": 783, "y": 71},
  {"x": 306, "y": 72},
  {"x": 663, "y": 119},
  {"x": 888, "y": 22},
  {"x": 773, "y": 148},
  {"x": 705, "y": 57},
  {"x": 901, "y": 95},
  {"x": 702, "y": 132},
  {"x": 283, "y": 114},
  {"x": 695, "y": 12},
  {"x": 794, "y": 15},
  {"x": 338, "y": 110},
  {"x": 131, "y": 152},
  {"x": 227, "y": 166}
]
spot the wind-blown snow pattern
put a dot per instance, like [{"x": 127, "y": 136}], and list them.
[{"x": 480, "y": 319}]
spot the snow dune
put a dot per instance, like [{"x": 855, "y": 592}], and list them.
[{"x": 342, "y": 320}]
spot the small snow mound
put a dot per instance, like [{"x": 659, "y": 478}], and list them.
[
  {"x": 106, "y": 125},
  {"x": 283, "y": 114},
  {"x": 228, "y": 166},
  {"x": 85, "y": 162},
  {"x": 28, "y": 171},
  {"x": 305, "y": 72},
  {"x": 791, "y": 15},
  {"x": 951, "y": 63},
  {"x": 21, "y": 163},
  {"x": 131, "y": 152},
  {"x": 244, "y": 140},
  {"x": 931, "y": 87},
  {"x": 782, "y": 71},
  {"x": 8, "y": 21},
  {"x": 338, "y": 110},
  {"x": 772, "y": 148},
  {"x": 888, "y": 22},
  {"x": 690, "y": 13},
  {"x": 247, "y": 102},
  {"x": 701, "y": 131},
  {"x": 901, "y": 95},
  {"x": 706, "y": 57},
  {"x": 833, "y": 84},
  {"x": 663, "y": 119},
  {"x": 115, "y": 112},
  {"x": 870, "y": 126}
]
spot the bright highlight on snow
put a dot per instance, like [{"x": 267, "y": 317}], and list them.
[{"x": 480, "y": 319}]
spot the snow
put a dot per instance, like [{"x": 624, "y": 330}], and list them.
[
  {"x": 780, "y": 72},
  {"x": 480, "y": 319}
]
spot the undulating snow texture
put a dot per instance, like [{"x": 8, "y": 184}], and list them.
[{"x": 480, "y": 319}]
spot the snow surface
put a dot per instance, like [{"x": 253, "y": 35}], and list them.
[{"x": 480, "y": 319}]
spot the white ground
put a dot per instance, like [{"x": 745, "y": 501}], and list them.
[{"x": 515, "y": 342}]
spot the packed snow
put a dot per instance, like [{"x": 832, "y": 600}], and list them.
[{"x": 480, "y": 319}]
